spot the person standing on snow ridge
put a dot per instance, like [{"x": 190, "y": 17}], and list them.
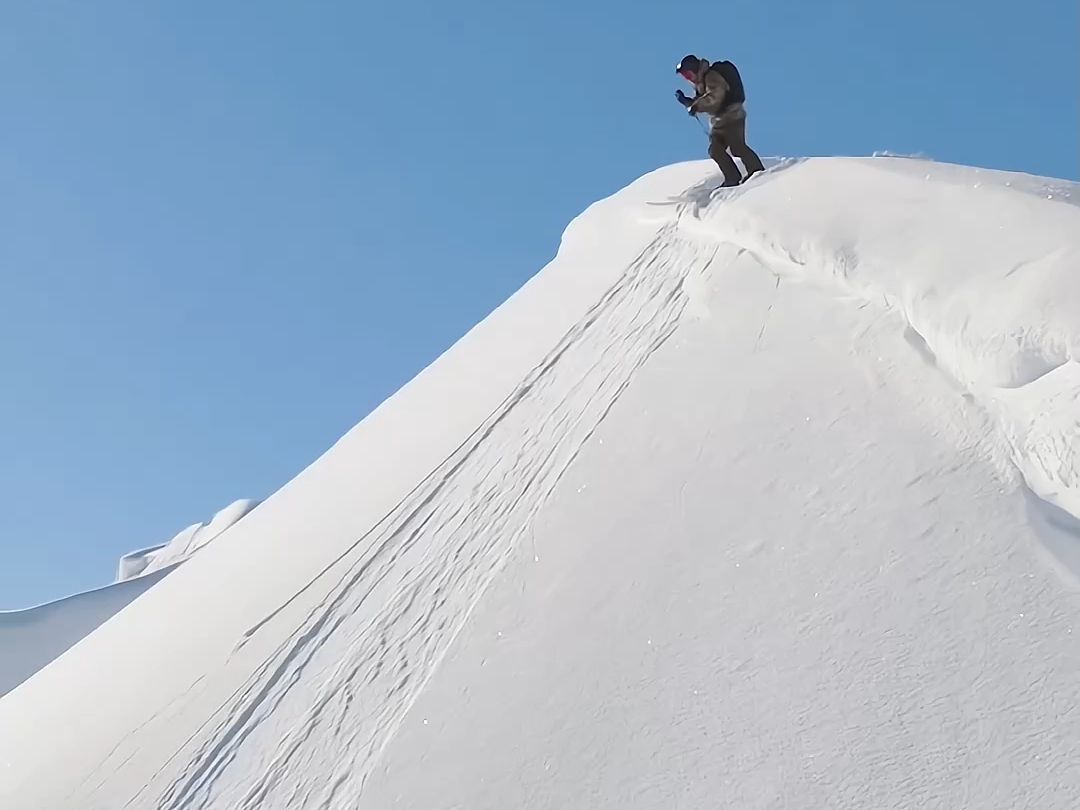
[{"x": 719, "y": 93}]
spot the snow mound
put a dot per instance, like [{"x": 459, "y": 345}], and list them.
[
  {"x": 31, "y": 638},
  {"x": 184, "y": 544},
  {"x": 754, "y": 497}
]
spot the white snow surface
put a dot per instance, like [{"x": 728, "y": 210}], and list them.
[
  {"x": 758, "y": 498},
  {"x": 31, "y": 638}
]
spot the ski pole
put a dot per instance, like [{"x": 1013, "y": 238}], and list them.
[{"x": 704, "y": 126}]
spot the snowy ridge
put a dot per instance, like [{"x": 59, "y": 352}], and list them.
[
  {"x": 704, "y": 524},
  {"x": 997, "y": 315},
  {"x": 32, "y": 637}
]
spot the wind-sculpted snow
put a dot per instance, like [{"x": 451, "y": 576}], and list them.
[
  {"x": 992, "y": 299},
  {"x": 737, "y": 504},
  {"x": 184, "y": 544}
]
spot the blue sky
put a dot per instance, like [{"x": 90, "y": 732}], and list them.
[{"x": 228, "y": 234}]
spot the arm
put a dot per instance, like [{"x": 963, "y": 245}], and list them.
[
  {"x": 689, "y": 103},
  {"x": 713, "y": 97}
]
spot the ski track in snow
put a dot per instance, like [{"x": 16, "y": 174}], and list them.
[{"x": 402, "y": 592}]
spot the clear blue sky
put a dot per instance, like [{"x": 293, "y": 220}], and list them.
[{"x": 229, "y": 230}]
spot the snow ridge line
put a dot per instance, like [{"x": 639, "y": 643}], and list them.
[{"x": 380, "y": 630}]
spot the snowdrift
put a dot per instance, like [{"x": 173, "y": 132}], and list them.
[
  {"x": 31, "y": 638},
  {"x": 752, "y": 498},
  {"x": 184, "y": 544},
  {"x": 985, "y": 279}
]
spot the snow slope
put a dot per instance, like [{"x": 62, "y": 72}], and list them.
[
  {"x": 757, "y": 498},
  {"x": 31, "y": 638}
]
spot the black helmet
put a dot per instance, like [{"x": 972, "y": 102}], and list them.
[{"x": 689, "y": 64}]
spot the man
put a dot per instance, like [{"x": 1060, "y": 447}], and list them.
[{"x": 719, "y": 94}]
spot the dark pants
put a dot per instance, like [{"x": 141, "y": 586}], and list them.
[{"x": 731, "y": 134}]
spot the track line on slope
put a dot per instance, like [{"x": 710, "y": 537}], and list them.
[
  {"x": 349, "y": 672},
  {"x": 472, "y": 437}
]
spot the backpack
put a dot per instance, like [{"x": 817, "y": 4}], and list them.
[{"x": 736, "y": 94}]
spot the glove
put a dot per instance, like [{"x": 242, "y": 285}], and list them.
[{"x": 682, "y": 98}]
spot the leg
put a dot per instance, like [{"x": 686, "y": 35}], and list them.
[
  {"x": 735, "y": 134},
  {"x": 718, "y": 152}
]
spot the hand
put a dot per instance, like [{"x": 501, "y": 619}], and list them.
[{"x": 682, "y": 98}]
